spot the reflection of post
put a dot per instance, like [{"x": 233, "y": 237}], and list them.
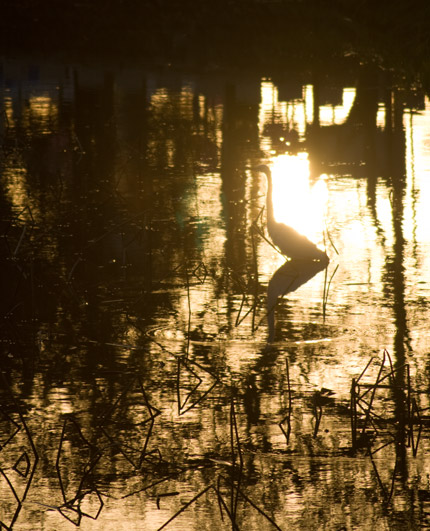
[
  {"x": 394, "y": 268},
  {"x": 364, "y": 114},
  {"x": 352, "y": 142},
  {"x": 316, "y": 103},
  {"x": 365, "y": 107},
  {"x": 232, "y": 181},
  {"x": 240, "y": 136},
  {"x": 288, "y": 278}
]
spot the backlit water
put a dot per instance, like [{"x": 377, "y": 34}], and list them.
[{"x": 139, "y": 292}]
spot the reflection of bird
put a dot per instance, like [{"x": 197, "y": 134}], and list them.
[
  {"x": 290, "y": 242},
  {"x": 288, "y": 278}
]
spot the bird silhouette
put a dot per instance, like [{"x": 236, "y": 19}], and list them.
[{"x": 290, "y": 242}]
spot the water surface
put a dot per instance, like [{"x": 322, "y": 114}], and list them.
[{"x": 140, "y": 291}]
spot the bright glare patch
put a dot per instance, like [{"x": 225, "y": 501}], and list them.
[
  {"x": 295, "y": 202},
  {"x": 41, "y": 105},
  {"x": 348, "y": 98},
  {"x": 337, "y": 114},
  {"x": 354, "y": 235}
]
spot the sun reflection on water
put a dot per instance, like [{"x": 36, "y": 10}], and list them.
[{"x": 296, "y": 202}]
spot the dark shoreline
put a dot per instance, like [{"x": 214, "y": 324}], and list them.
[{"x": 257, "y": 35}]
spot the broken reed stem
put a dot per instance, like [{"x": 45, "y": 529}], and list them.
[
  {"x": 12, "y": 434},
  {"x": 153, "y": 412},
  {"x": 326, "y": 290},
  {"x": 387, "y": 355},
  {"x": 205, "y": 272},
  {"x": 288, "y": 415},
  {"x": 168, "y": 477},
  {"x": 253, "y": 309},
  {"x": 330, "y": 239},
  {"x": 409, "y": 406},
  {"x": 353, "y": 414},
  {"x": 416, "y": 410},
  {"x": 189, "y": 314},
  {"x": 374, "y": 387},
  {"x": 178, "y": 386},
  {"x": 92, "y": 463},
  {"x": 181, "y": 406},
  {"x": 234, "y": 437},
  {"x": 19, "y": 506},
  {"x": 378, "y": 477},
  {"x": 370, "y": 452},
  {"x": 244, "y": 497},
  {"x": 221, "y": 502},
  {"x": 182, "y": 509},
  {"x": 393, "y": 479},
  {"x": 287, "y": 367},
  {"x": 318, "y": 416},
  {"x": 164, "y": 495},
  {"x": 69, "y": 276},
  {"x": 30, "y": 440},
  {"x": 24, "y": 230},
  {"x": 238, "y": 321},
  {"x": 324, "y": 293},
  {"x": 223, "y": 505},
  {"x": 377, "y": 421},
  {"x": 255, "y": 267},
  {"x": 364, "y": 370},
  {"x": 248, "y": 500},
  {"x": 151, "y": 421}
]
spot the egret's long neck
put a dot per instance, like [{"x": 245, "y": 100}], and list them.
[{"x": 269, "y": 199}]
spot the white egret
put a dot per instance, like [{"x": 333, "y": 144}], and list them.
[{"x": 290, "y": 242}]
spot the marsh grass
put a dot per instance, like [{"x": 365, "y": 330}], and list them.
[{"x": 25, "y": 465}]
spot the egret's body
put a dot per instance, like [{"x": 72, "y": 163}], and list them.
[{"x": 290, "y": 242}]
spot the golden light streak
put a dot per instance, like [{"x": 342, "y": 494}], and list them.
[
  {"x": 337, "y": 114},
  {"x": 296, "y": 202},
  {"x": 16, "y": 187},
  {"x": 416, "y": 223},
  {"x": 381, "y": 116},
  {"x": 309, "y": 103},
  {"x": 289, "y": 114},
  {"x": 41, "y": 105}
]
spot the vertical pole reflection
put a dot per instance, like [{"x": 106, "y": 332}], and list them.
[
  {"x": 233, "y": 188},
  {"x": 394, "y": 267},
  {"x": 239, "y": 141}
]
